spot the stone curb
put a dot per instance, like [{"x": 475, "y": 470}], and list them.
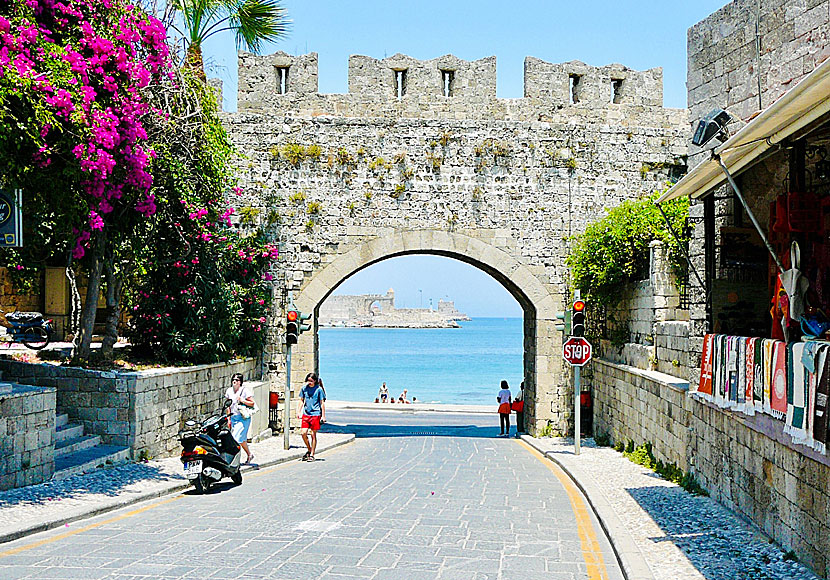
[
  {"x": 628, "y": 553},
  {"x": 141, "y": 497}
]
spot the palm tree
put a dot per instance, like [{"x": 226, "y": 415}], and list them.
[{"x": 254, "y": 22}]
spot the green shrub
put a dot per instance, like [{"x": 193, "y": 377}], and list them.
[{"x": 615, "y": 250}]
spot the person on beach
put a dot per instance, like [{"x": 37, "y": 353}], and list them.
[
  {"x": 519, "y": 406},
  {"x": 312, "y": 413},
  {"x": 402, "y": 398},
  {"x": 238, "y": 396},
  {"x": 383, "y": 393},
  {"x": 504, "y": 400}
]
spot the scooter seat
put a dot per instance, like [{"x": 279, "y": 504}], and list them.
[{"x": 24, "y": 317}]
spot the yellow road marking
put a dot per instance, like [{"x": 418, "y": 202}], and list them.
[
  {"x": 87, "y": 528},
  {"x": 591, "y": 551}
]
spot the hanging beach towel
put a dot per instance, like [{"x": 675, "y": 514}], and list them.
[
  {"x": 758, "y": 379},
  {"x": 749, "y": 407},
  {"x": 820, "y": 404},
  {"x": 769, "y": 370},
  {"x": 732, "y": 370},
  {"x": 740, "y": 391},
  {"x": 778, "y": 391},
  {"x": 722, "y": 389},
  {"x": 796, "y": 395},
  {"x": 705, "y": 385},
  {"x": 795, "y": 284}
]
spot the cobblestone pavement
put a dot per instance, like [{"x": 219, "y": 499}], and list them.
[
  {"x": 678, "y": 535},
  {"x": 47, "y": 505},
  {"x": 454, "y": 503}
]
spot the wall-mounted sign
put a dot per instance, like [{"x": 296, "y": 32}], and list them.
[{"x": 11, "y": 218}]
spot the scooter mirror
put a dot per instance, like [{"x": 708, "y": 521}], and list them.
[
  {"x": 190, "y": 423},
  {"x": 226, "y": 404}
]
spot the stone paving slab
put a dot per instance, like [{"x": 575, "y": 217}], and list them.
[
  {"x": 661, "y": 532},
  {"x": 36, "y": 508}
]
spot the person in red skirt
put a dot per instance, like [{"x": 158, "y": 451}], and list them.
[{"x": 504, "y": 400}]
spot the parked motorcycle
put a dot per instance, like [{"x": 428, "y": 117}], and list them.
[
  {"x": 209, "y": 451},
  {"x": 30, "y": 328}
]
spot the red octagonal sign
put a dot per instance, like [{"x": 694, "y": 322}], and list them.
[{"x": 577, "y": 351}]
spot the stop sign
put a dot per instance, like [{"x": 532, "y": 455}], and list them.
[{"x": 576, "y": 351}]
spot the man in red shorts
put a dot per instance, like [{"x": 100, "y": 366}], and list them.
[{"x": 311, "y": 413}]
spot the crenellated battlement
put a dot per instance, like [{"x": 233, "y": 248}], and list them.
[{"x": 444, "y": 87}]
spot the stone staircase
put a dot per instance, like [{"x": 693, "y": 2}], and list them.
[{"x": 76, "y": 453}]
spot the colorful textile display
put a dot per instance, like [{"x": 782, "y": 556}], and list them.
[
  {"x": 705, "y": 384},
  {"x": 797, "y": 385},
  {"x": 789, "y": 382},
  {"x": 778, "y": 394},
  {"x": 769, "y": 355}
]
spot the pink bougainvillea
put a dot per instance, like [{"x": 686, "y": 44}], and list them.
[{"x": 81, "y": 65}]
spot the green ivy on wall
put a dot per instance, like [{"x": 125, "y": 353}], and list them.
[{"x": 614, "y": 251}]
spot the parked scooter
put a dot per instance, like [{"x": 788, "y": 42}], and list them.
[
  {"x": 209, "y": 451},
  {"x": 30, "y": 328}
]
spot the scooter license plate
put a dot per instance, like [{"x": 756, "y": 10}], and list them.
[{"x": 192, "y": 469}]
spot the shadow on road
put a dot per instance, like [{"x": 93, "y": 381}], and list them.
[
  {"x": 369, "y": 430},
  {"x": 106, "y": 481}
]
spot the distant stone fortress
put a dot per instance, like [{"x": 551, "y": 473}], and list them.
[{"x": 378, "y": 311}]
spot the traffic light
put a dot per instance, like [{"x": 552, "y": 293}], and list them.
[
  {"x": 578, "y": 318},
  {"x": 304, "y": 317},
  {"x": 292, "y": 326},
  {"x": 563, "y": 321}
]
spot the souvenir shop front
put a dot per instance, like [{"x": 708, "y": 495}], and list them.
[{"x": 761, "y": 255}]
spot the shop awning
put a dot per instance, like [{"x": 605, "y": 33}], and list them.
[{"x": 802, "y": 105}]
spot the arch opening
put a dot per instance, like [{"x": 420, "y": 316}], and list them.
[
  {"x": 448, "y": 333},
  {"x": 538, "y": 298}
]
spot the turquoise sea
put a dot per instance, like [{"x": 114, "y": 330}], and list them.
[{"x": 436, "y": 365}]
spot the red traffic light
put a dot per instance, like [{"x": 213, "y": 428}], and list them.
[
  {"x": 292, "y": 315},
  {"x": 579, "y": 305}
]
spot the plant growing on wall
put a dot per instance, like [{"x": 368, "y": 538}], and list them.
[
  {"x": 614, "y": 251},
  {"x": 399, "y": 190},
  {"x": 293, "y": 153},
  {"x": 343, "y": 157},
  {"x": 297, "y": 197}
]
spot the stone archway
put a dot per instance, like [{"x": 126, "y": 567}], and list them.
[{"x": 544, "y": 384}]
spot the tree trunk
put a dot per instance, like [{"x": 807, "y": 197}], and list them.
[
  {"x": 115, "y": 282},
  {"x": 194, "y": 62},
  {"x": 93, "y": 290}
]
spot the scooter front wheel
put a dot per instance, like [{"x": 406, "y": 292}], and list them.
[
  {"x": 36, "y": 337},
  {"x": 202, "y": 483},
  {"x": 236, "y": 478}
]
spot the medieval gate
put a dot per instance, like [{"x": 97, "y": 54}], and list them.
[{"x": 421, "y": 157}]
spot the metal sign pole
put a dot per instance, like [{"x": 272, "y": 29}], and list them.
[
  {"x": 286, "y": 412},
  {"x": 577, "y": 371},
  {"x": 577, "y": 417}
]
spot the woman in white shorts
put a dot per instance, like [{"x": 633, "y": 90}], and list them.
[{"x": 239, "y": 395}]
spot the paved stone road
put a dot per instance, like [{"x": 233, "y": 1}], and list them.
[{"x": 468, "y": 506}]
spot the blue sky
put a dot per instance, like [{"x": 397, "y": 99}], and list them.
[{"x": 637, "y": 34}]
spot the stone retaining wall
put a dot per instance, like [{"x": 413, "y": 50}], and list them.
[
  {"x": 642, "y": 406},
  {"x": 746, "y": 463},
  {"x": 27, "y": 435},
  {"x": 651, "y": 321},
  {"x": 142, "y": 410}
]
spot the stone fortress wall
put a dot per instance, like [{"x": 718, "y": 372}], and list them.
[
  {"x": 434, "y": 163},
  {"x": 446, "y": 88},
  {"x": 379, "y": 311}
]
